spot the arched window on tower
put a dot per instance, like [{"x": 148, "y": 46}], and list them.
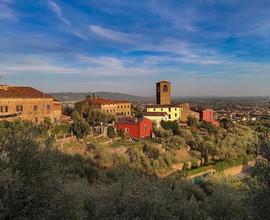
[{"x": 165, "y": 88}]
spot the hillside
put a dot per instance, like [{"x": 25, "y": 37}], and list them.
[{"x": 70, "y": 96}]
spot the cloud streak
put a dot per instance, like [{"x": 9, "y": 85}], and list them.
[{"x": 56, "y": 9}]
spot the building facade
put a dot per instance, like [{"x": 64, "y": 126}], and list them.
[
  {"x": 208, "y": 115},
  {"x": 163, "y": 93},
  {"x": 27, "y": 103},
  {"x": 173, "y": 112},
  {"x": 156, "y": 117},
  {"x": 136, "y": 128},
  {"x": 186, "y": 112},
  {"x": 114, "y": 107}
]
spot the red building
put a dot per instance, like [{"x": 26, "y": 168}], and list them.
[
  {"x": 208, "y": 116},
  {"x": 136, "y": 128}
]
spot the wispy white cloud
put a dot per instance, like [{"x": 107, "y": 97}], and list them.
[
  {"x": 182, "y": 51},
  {"x": 83, "y": 65},
  {"x": 58, "y": 12},
  {"x": 116, "y": 36}
]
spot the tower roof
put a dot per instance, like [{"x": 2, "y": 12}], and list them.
[{"x": 163, "y": 81}]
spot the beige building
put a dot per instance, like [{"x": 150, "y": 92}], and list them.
[
  {"x": 114, "y": 107},
  {"x": 163, "y": 93},
  {"x": 27, "y": 103},
  {"x": 173, "y": 112},
  {"x": 156, "y": 117}
]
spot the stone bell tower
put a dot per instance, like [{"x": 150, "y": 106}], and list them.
[{"x": 163, "y": 93}]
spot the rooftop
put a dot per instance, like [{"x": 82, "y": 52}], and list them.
[
  {"x": 21, "y": 92},
  {"x": 130, "y": 120},
  {"x": 154, "y": 113},
  {"x": 162, "y": 106},
  {"x": 101, "y": 101}
]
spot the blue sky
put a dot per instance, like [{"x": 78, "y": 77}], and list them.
[{"x": 205, "y": 47}]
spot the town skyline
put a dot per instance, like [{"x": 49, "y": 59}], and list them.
[{"x": 206, "y": 48}]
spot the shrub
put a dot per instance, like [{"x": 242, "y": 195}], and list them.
[
  {"x": 192, "y": 122},
  {"x": 186, "y": 166},
  {"x": 121, "y": 133},
  {"x": 151, "y": 151},
  {"x": 111, "y": 132},
  {"x": 170, "y": 125}
]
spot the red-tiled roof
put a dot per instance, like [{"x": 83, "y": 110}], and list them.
[
  {"x": 129, "y": 120},
  {"x": 154, "y": 113},
  {"x": 100, "y": 101},
  {"x": 162, "y": 106},
  {"x": 21, "y": 92}
]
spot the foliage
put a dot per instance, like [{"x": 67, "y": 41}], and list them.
[
  {"x": 79, "y": 126},
  {"x": 170, "y": 125},
  {"x": 121, "y": 133},
  {"x": 151, "y": 151},
  {"x": 226, "y": 123},
  {"x": 209, "y": 127},
  {"x": 192, "y": 122},
  {"x": 111, "y": 132},
  {"x": 39, "y": 182},
  {"x": 95, "y": 117}
]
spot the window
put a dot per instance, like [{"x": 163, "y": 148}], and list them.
[
  {"x": 175, "y": 115},
  {"x": 19, "y": 108},
  {"x": 154, "y": 109},
  {"x": 169, "y": 116},
  {"x": 165, "y": 88},
  {"x": 35, "y": 107},
  {"x": 175, "y": 109},
  {"x": 169, "y": 109},
  {"x": 3, "y": 108},
  {"x": 161, "y": 109},
  {"x": 48, "y": 107},
  {"x": 145, "y": 127}
]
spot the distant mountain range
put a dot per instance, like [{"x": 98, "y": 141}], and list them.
[{"x": 75, "y": 97}]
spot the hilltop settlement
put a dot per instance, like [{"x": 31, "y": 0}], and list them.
[{"x": 103, "y": 158}]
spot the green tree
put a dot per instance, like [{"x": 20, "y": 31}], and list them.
[
  {"x": 79, "y": 126},
  {"x": 192, "y": 122},
  {"x": 170, "y": 125},
  {"x": 111, "y": 132}
]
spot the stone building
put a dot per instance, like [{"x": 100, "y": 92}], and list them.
[
  {"x": 114, "y": 107},
  {"x": 163, "y": 93},
  {"x": 186, "y": 112},
  {"x": 27, "y": 103}
]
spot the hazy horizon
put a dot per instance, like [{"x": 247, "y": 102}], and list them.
[{"x": 205, "y": 48}]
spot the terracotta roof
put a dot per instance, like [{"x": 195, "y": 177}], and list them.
[
  {"x": 162, "y": 106},
  {"x": 100, "y": 101},
  {"x": 21, "y": 92},
  {"x": 130, "y": 120},
  {"x": 154, "y": 113}
]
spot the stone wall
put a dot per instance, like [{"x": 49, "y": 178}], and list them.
[{"x": 34, "y": 109}]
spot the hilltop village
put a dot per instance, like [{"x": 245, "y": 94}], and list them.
[
  {"x": 107, "y": 158},
  {"x": 182, "y": 137},
  {"x": 30, "y": 104}
]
